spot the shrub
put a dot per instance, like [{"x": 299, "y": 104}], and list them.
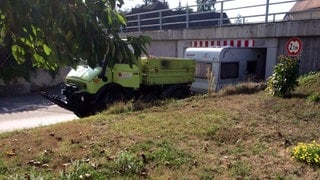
[
  {"x": 307, "y": 152},
  {"x": 285, "y": 76}
]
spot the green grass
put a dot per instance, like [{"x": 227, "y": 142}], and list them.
[{"x": 235, "y": 134}]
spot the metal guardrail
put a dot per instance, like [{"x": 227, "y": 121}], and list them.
[{"x": 222, "y": 15}]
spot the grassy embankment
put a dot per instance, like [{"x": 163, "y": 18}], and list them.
[{"x": 246, "y": 136}]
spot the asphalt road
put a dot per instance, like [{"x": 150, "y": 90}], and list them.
[{"x": 30, "y": 111}]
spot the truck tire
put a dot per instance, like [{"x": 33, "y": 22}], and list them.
[
  {"x": 83, "y": 113},
  {"x": 80, "y": 108},
  {"x": 176, "y": 92},
  {"x": 108, "y": 98},
  {"x": 152, "y": 96}
]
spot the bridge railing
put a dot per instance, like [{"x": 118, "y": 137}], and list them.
[{"x": 222, "y": 13}]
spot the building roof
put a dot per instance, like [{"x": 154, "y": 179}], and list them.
[{"x": 305, "y": 5}]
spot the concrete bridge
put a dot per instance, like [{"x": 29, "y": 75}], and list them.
[
  {"x": 273, "y": 37},
  {"x": 270, "y": 30}
]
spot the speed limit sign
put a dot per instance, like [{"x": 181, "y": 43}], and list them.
[{"x": 294, "y": 46}]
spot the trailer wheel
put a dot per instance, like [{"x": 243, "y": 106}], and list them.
[{"x": 176, "y": 92}]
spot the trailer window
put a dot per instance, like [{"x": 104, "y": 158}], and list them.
[
  {"x": 229, "y": 70},
  {"x": 202, "y": 69}
]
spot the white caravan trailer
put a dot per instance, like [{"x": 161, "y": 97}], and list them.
[{"x": 228, "y": 66}]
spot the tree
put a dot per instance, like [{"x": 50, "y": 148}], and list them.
[
  {"x": 56, "y": 33},
  {"x": 206, "y": 5},
  {"x": 148, "y": 2}
]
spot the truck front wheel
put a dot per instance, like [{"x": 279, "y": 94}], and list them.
[
  {"x": 79, "y": 108},
  {"x": 109, "y": 98}
]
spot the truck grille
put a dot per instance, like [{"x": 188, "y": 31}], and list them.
[{"x": 80, "y": 85}]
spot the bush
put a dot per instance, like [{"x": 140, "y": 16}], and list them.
[
  {"x": 285, "y": 76},
  {"x": 307, "y": 152}
]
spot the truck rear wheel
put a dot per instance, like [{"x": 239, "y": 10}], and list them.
[{"x": 176, "y": 92}]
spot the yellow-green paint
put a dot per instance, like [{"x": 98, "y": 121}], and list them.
[{"x": 155, "y": 71}]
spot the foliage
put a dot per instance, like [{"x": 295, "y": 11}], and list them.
[
  {"x": 308, "y": 83},
  {"x": 12, "y": 70},
  {"x": 128, "y": 164},
  {"x": 314, "y": 97},
  {"x": 285, "y": 76},
  {"x": 206, "y": 5},
  {"x": 3, "y": 167},
  {"x": 241, "y": 169},
  {"x": 149, "y": 2},
  {"x": 56, "y": 33},
  {"x": 79, "y": 169},
  {"x": 307, "y": 152}
]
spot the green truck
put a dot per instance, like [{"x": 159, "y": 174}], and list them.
[{"x": 87, "y": 90}]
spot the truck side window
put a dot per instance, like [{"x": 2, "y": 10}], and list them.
[
  {"x": 229, "y": 70},
  {"x": 202, "y": 69}
]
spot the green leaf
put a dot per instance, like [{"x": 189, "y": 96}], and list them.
[
  {"x": 38, "y": 58},
  {"x": 18, "y": 53},
  {"x": 47, "y": 49},
  {"x": 122, "y": 19}
]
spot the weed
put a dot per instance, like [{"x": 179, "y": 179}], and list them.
[
  {"x": 211, "y": 79},
  {"x": 314, "y": 97},
  {"x": 241, "y": 169},
  {"x": 259, "y": 148},
  {"x": 45, "y": 156},
  {"x": 308, "y": 79},
  {"x": 128, "y": 164},
  {"x": 211, "y": 132},
  {"x": 165, "y": 154},
  {"x": 143, "y": 146},
  {"x": 3, "y": 167},
  {"x": 121, "y": 107},
  {"x": 242, "y": 88},
  {"x": 229, "y": 135},
  {"x": 79, "y": 169},
  {"x": 307, "y": 152}
]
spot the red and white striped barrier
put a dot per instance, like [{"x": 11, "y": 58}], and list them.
[{"x": 219, "y": 43}]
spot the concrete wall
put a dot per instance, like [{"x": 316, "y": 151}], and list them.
[{"x": 41, "y": 79}]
